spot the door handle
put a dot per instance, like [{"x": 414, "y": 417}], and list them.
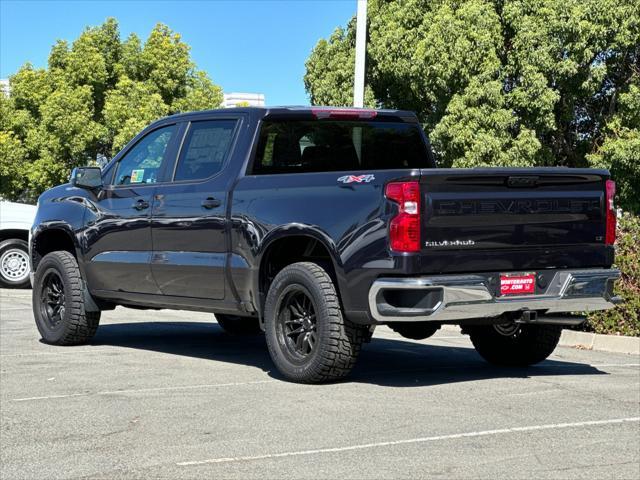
[
  {"x": 210, "y": 203},
  {"x": 140, "y": 205}
]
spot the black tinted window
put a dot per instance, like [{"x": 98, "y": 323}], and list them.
[
  {"x": 142, "y": 163},
  {"x": 325, "y": 146},
  {"x": 205, "y": 149}
]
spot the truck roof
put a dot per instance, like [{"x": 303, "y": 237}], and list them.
[{"x": 302, "y": 110}]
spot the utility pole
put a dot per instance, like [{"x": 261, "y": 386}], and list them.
[{"x": 361, "y": 49}]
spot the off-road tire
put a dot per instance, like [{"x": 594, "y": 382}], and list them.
[
  {"x": 414, "y": 330},
  {"x": 236, "y": 325},
  {"x": 529, "y": 345},
  {"x": 20, "y": 250},
  {"x": 76, "y": 325},
  {"x": 338, "y": 341}
]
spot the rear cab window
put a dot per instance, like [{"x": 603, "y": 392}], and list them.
[
  {"x": 306, "y": 146},
  {"x": 205, "y": 149}
]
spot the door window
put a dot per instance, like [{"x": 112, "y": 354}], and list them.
[
  {"x": 205, "y": 149},
  {"x": 142, "y": 163}
]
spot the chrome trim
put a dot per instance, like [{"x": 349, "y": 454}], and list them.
[{"x": 469, "y": 296}]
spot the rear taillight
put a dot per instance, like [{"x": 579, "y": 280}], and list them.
[
  {"x": 404, "y": 229},
  {"x": 610, "y": 236}
]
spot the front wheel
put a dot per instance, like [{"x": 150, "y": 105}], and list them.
[
  {"x": 308, "y": 338},
  {"x": 58, "y": 302},
  {"x": 515, "y": 345}
]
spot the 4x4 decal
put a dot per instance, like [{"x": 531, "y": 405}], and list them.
[{"x": 357, "y": 178}]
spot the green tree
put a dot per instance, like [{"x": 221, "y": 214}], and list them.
[
  {"x": 329, "y": 76},
  {"x": 93, "y": 97},
  {"x": 502, "y": 82},
  {"x": 620, "y": 148}
]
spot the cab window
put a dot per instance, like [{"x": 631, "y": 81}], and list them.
[
  {"x": 301, "y": 146},
  {"x": 142, "y": 163},
  {"x": 205, "y": 149}
]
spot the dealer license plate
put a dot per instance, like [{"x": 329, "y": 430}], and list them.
[{"x": 518, "y": 284}]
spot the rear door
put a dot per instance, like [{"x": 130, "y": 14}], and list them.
[
  {"x": 118, "y": 231},
  {"x": 189, "y": 213}
]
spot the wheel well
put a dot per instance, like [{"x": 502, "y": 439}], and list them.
[
  {"x": 50, "y": 241},
  {"x": 14, "y": 233},
  {"x": 288, "y": 250}
]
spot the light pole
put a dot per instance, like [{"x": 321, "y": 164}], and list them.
[{"x": 361, "y": 48}]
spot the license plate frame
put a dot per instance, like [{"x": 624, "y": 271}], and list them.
[{"x": 515, "y": 284}]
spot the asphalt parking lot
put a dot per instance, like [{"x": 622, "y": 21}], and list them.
[{"x": 168, "y": 394}]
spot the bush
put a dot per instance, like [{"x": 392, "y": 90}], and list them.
[{"x": 624, "y": 319}]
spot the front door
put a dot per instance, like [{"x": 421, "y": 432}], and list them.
[
  {"x": 118, "y": 233},
  {"x": 188, "y": 216}
]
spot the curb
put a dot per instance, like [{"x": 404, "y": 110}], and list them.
[{"x": 601, "y": 343}]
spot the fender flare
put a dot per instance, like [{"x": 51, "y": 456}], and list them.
[
  {"x": 296, "y": 230},
  {"x": 60, "y": 226},
  {"x": 90, "y": 303}
]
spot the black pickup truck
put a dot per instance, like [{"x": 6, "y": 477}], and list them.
[{"x": 315, "y": 225}]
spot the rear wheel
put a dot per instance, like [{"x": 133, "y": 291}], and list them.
[
  {"x": 14, "y": 263},
  {"x": 511, "y": 344},
  {"x": 415, "y": 330},
  {"x": 308, "y": 338},
  {"x": 236, "y": 325},
  {"x": 58, "y": 302}
]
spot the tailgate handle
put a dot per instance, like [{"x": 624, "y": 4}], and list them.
[{"x": 522, "y": 181}]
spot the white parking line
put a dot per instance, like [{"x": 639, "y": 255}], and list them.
[
  {"x": 436, "y": 438},
  {"x": 143, "y": 390},
  {"x": 51, "y": 396}
]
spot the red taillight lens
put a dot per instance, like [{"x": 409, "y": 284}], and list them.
[
  {"x": 404, "y": 229},
  {"x": 610, "y": 236}
]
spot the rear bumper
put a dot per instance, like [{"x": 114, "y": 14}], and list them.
[{"x": 459, "y": 297}]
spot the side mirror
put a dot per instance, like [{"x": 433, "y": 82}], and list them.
[{"x": 89, "y": 178}]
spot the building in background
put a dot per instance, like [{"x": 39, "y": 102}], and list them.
[
  {"x": 243, "y": 100},
  {"x": 5, "y": 88}
]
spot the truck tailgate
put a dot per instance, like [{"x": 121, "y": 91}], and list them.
[{"x": 537, "y": 218}]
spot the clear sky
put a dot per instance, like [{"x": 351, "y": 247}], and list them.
[{"x": 255, "y": 46}]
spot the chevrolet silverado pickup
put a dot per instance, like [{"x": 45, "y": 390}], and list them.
[{"x": 315, "y": 225}]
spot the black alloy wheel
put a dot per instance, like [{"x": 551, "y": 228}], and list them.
[
  {"x": 53, "y": 305},
  {"x": 297, "y": 321}
]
